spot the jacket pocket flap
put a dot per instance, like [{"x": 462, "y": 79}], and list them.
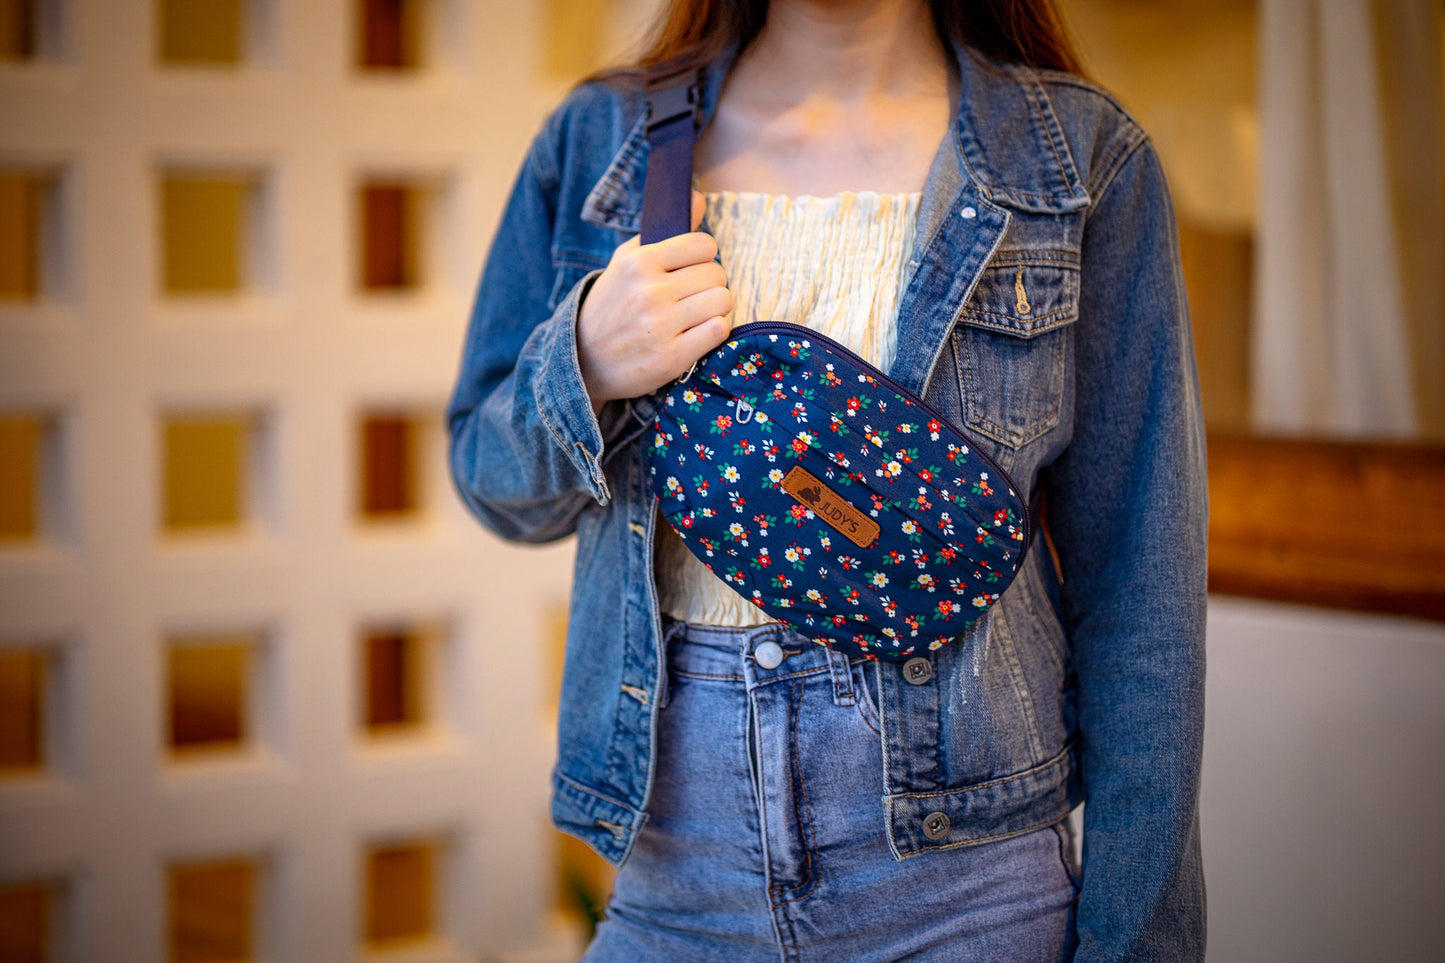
[{"x": 1024, "y": 298}]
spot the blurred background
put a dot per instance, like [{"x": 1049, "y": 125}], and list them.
[{"x": 266, "y": 693}]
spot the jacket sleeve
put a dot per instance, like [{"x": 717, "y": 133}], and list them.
[
  {"x": 526, "y": 451},
  {"x": 1127, "y": 511}
]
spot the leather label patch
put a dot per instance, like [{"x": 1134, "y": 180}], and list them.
[{"x": 852, "y": 524}]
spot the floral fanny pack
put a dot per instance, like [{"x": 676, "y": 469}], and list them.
[{"x": 826, "y": 493}]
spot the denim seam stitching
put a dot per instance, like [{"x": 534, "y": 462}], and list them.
[
  {"x": 707, "y": 675},
  {"x": 1062, "y": 258},
  {"x": 866, "y": 710},
  {"x": 975, "y": 840},
  {"x": 805, "y": 817},
  {"x": 1044, "y": 112},
  {"x": 1066, "y": 858},
  {"x": 1058, "y": 758},
  {"x": 1034, "y": 322},
  {"x": 1020, "y": 683}
]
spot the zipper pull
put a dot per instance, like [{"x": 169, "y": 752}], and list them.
[{"x": 1021, "y": 297}]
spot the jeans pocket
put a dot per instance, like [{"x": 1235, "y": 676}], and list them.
[{"x": 1064, "y": 830}]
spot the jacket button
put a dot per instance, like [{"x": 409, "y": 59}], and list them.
[
  {"x": 917, "y": 670},
  {"x": 769, "y": 655},
  {"x": 936, "y": 826}
]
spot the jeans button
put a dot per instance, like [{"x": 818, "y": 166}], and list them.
[
  {"x": 769, "y": 655},
  {"x": 917, "y": 670},
  {"x": 936, "y": 826}
]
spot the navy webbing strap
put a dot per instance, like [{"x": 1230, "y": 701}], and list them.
[{"x": 671, "y": 135}]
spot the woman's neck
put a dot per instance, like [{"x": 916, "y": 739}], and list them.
[
  {"x": 832, "y": 96},
  {"x": 847, "y": 50}
]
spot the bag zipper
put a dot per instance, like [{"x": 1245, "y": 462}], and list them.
[{"x": 798, "y": 331}]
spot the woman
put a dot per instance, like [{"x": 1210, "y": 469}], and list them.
[{"x": 928, "y": 183}]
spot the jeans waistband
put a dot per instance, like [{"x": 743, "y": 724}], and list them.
[{"x": 752, "y": 655}]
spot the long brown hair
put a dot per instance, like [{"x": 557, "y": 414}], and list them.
[{"x": 1014, "y": 31}]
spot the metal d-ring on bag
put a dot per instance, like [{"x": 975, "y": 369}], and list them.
[{"x": 817, "y": 487}]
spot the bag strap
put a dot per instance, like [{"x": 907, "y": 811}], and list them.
[{"x": 671, "y": 135}]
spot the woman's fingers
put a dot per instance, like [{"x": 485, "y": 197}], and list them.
[
  {"x": 701, "y": 307},
  {"x": 652, "y": 312},
  {"x": 682, "y": 251},
  {"x": 699, "y": 339},
  {"x": 687, "y": 281}
]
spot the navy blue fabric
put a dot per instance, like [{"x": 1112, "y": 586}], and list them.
[
  {"x": 667, "y": 193},
  {"x": 950, "y": 529}
]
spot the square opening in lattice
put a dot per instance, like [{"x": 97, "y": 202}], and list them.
[
  {"x": 398, "y": 678},
  {"x": 209, "y": 691},
  {"x": 389, "y": 34},
  {"x": 209, "y": 468},
  {"x": 30, "y": 233},
  {"x": 30, "y": 30},
  {"x": 22, "y": 215},
  {"x": 29, "y": 478},
  {"x": 401, "y": 892},
  {"x": 390, "y": 469},
  {"x": 25, "y": 684},
  {"x": 17, "y": 33},
  {"x": 22, "y": 208},
  {"x": 213, "y": 910},
  {"x": 201, "y": 32},
  {"x": 28, "y": 921},
  {"x": 395, "y": 221},
  {"x": 208, "y": 223}
]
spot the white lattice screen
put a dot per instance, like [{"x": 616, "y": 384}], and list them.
[{"x": 124, "y": 367}]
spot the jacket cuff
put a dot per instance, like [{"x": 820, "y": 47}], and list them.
[{"x": 562, "y": 399}]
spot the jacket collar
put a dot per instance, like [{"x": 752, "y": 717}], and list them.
[{"x": 1006, "y": 140}]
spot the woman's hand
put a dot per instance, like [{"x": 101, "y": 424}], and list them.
[{"x": 651, "y": 313}]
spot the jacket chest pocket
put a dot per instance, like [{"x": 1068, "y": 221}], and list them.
[{"x": 1012, "y": 345}]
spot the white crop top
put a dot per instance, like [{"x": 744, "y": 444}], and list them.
[{"x": 835, "y": 264}]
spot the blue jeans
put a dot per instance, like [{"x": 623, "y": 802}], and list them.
[{"x": 766, "y": 839}]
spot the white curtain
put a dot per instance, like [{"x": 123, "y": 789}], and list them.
[{"x": 1332, "y": 350}]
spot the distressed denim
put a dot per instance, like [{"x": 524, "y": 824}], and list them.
[
  {"x": 762, "y": 840},
  {"x": 1044, "y": 313}
]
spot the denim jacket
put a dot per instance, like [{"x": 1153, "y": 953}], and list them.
[{"x": 1045, "y": 314}]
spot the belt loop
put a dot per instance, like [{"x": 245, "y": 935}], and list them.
[{"x": 842, "y": 672}]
